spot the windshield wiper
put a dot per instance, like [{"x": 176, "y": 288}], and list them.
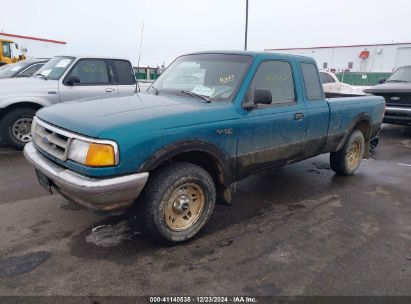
[
  {"x": 394, "y": 80},
  {"x": 41, "y": 76},
  {"x": 196, "y": 95},
  {"x": 155, "y": 89}
]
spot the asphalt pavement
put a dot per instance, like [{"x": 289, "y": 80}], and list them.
[{"x": 297, "y": 230}]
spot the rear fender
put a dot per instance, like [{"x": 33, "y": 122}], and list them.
[{"x": 363, "y": 123}]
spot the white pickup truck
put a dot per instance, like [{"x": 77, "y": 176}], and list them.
[
  {"x": 333, "y": 87},
  {"x": 63, "y": 78}
]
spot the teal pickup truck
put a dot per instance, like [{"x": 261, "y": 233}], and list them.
[{"x": 209, "y": 120}]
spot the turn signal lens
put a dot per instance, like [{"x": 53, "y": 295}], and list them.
[{"x": 100, "y": 155}]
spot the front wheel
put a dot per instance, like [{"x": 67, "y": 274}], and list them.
[
  {"x": 15, "y": 127},
  {"x": 177, "y": 202},
  {"x": 348, "y": 159}
]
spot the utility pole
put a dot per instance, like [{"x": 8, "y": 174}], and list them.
[{"x": 246, "y": 25}]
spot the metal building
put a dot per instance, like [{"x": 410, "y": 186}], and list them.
[
  {"x": 34, "y": 47},
  {"x": 365, "y": 58}
]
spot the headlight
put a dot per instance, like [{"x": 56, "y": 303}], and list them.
[{"x": 92, "y": 154}]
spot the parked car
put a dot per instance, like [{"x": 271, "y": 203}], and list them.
[
  {"x": 396, "y": 91},
  {"x": 63, "y": 78},
  {"x": 186, "y": 147},
  {"x": 24, "y": 68},
  {"x": 333, "y": 87}
]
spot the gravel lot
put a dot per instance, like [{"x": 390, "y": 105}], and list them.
[{"x": 298, "y": 230}]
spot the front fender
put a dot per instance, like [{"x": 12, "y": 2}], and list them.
[
  {"x": 180, "y": 147},
  {"x": 39, "y": 101},
  {"x": 215, "y": 159}
]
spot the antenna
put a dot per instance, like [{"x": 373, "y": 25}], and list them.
[
  {"x": 139, "y": 57},
  {"x": 246, "y": 25}
]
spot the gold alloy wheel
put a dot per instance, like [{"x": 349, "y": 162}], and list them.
[
  {"x": 184, "y": 207},
  {"x": 353, "y": 154}
]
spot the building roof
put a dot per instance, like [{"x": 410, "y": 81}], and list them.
[
  {"x": 33, "y": 38},
  {"x": 337, "y": 46}
]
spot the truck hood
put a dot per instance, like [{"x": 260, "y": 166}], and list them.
[
  {"x": 390, "y": 87},
  {"x": 11, "y": 87},
  {"x": 92, "y": 116}
]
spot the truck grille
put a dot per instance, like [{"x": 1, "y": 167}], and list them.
[
  {"x": 397, "y": 100},
  {"x": 50, "y": 139}
]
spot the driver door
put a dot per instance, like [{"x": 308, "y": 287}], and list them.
[
  {"x": 96, "y": 80},
  {"x": 272, "y": 134}
]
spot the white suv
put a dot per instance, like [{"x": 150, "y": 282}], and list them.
[{"x": 63, "y": 78}]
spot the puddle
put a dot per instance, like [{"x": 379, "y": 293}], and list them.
[
  {"x": 16, "y": 265},
  {"x": 110, "y": 235}
]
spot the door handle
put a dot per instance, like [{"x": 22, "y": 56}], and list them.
[
  {"x": 109, "y": 90},
  {"x": 298, "y": 116}
]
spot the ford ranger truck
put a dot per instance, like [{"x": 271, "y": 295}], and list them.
[
  {"x": 210, "y": 119},
  {"x": 61, "y": 79}
]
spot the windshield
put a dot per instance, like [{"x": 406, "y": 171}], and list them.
[
  {"x": 401, "y": 75},
  {"x": 214, "y": 76},
  {"x": 11, "y": 69},
  {"x": 55, "y": 67}
]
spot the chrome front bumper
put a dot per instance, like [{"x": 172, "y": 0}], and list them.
[
  {"x": 108, "y": 194},
  {"x": 399, "y": 115}
]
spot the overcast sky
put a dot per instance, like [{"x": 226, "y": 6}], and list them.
[{"x": 174, "y": 27}]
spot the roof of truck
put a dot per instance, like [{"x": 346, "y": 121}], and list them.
[{"x": 250, "y": 53}]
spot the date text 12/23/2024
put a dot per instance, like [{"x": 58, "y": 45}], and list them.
[{"x": 205, "y": 299}]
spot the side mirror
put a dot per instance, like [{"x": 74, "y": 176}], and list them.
[
  {"x": 381, "y": 81},
  {"x": 71, "y": 80},
  {"x": 262, "y": 96}
]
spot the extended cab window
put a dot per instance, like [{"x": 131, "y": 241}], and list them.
[
  {"x": 91, "y": 71},
  {"x": 124, "y": 72},
  {"x": 277, "y": 77},
  {"x": 311, "y": 81}
]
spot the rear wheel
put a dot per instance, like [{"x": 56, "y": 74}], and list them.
[
  {"x": 177, "y": 202},
  {"x": 348, "y": 159},
  {"x": 15, "y": 127}
]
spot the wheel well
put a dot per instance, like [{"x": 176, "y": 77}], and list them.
[
  {"x": 365, "y": 127},
  {"x": 204, "y": 160},
  {"x": 34, "y": 106},
  {"x": 212, "y": 165}
]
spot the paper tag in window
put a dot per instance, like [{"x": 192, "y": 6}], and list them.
[
  {"x": 63, "y": 63},
  {"x": 202, "y": 90},
  {"x": 45, "y": 72}
]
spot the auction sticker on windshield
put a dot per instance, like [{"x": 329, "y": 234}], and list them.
[
  {"x": 63, "y": 63},
  {"x": 45, "y": 72},
  {"x": 202, "y": 90}
]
